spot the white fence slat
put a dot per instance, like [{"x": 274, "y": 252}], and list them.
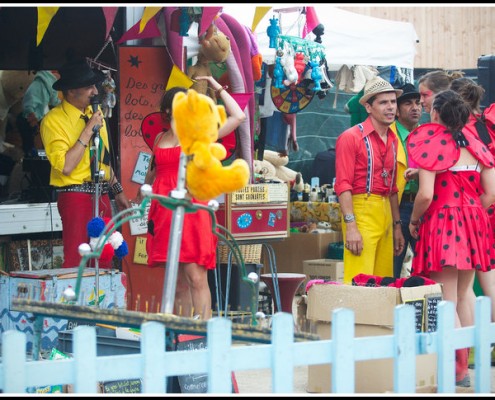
[
  {"x": 14, "y": 361},
  {"x": 405, "y": 350},
  {"x": 219, "y": 341},
  {"x": 343, "y": 351},
  {"x": 283, "y": 357},
  {"x": 153, "y": 363},
  {"x": 482, "y": 355},
  {"x": 84, "y": 348},
  {"x": 445, "y": 347}
]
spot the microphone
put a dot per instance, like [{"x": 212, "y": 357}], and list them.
[{"x": 94, "y": 105}]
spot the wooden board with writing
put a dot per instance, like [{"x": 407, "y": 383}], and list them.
[
  {"x": 143, "y": 77},
  {"x": 122, "y": 386},
  {"x": 418, "y": 305},
  {"x": 194, "y": 383},
  {"x": 431, "y": 317}
]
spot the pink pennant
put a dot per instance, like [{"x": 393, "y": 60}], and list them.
[
  {"x": 241, "y": 99},
  {"x": 209, "y": 14},
  {"x": 109, "y": 13},
  {"x": 311, "y": 21},
  {"x": 150, "y": 31}
]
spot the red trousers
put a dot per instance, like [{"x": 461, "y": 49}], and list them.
[{"x": 76, "y": 210}]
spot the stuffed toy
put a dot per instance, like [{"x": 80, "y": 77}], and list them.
[
  {"x": 264, "y": 171},
  {"x": 282, "y": 173},
  {"x": 109, "y": 100},
  {"x": 290, "y": 71},
  {"x": 196, "y": 119},
  {"x": 215, "y": 47}
]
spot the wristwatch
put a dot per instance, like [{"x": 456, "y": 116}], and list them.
[{"x": 349, "y": 218}]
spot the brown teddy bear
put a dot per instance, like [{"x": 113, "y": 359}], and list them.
[{"x": 215, "y": 47}]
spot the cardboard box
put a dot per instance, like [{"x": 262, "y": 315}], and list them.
[
  {"x": 292, "y": 251},
  {"x": 374, "y": 315},
  {"x": 323, "y": 268}
]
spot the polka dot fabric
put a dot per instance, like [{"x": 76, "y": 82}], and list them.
[
  {"x": 432, "y": 147},
  {"x": 455, "y": 230}
]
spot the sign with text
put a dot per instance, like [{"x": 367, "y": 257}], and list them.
[
  {"x": 143, "y": 77},
  {"x": 139, "y": 226},
  {"x": 141, "y": 167},
  {"x": 122, "y": 386},
  {"x": 261, "y": 193},
  {"x": 140, "y": 254}
]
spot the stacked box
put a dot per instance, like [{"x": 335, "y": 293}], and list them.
[
  {"x": 291, "y": 252},
  {"x": 374, "y": 309},
  {"x": 324, "y": 268}
]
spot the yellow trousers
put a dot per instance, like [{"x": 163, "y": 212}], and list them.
[{"x": 374, "y": 221}]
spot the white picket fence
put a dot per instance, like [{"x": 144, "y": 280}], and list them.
[{"x": 152, "y": 366}]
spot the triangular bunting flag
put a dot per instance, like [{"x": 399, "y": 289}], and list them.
[
  {"x": 311, "y": 21},
  {"x": 178, "y": 78},
  {"x": 148, "y": 13},
  {"x": 209, "y": 14},
  {"x": 150, "y": 31},
  {"x": 45, "y": 15},
  {"x": 241, "y": 99},
  {"x": 110, "y": 13},
  {"x": 259, "y": 13}
]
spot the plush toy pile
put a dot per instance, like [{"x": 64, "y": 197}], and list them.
[{"x": 196, "y": 120}]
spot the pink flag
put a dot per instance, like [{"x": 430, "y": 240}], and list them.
[
  {"x": 242, "y": 99},
  {"x": 209, "y": 14},
  {"x": 311, "y": 21},
  {"x": 109, "y": 13},
  {"x": 150, "y": 31}
]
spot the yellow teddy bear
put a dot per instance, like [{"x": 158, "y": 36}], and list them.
[{"x": 196, "y": 120}]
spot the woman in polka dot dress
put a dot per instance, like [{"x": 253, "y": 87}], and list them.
[{"x": 456, "y": 186}]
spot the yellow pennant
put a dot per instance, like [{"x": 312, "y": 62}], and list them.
[
  {"x": 149, "y": 12},
  {"x": 259, "y": 13},
  {"x": 45, "y": 15},
  {"x": 178, "y": 79}
]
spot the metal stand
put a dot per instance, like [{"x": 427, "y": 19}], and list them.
[
  {"x": 171, "y": 271},
  {"x": 96, "y": 178},
  {"x": 273, "y": 269}
]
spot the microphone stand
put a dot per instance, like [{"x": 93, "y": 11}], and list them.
[{"x": 96, "y": 179}]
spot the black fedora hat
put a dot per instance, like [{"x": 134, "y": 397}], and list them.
[
  {"x": 77, "y": 74},
  {"x": 408, "y": 92}
]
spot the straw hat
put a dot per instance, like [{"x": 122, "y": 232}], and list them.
[{"x": 375, "y": 86}]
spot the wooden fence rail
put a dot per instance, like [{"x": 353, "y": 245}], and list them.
[{"x": 220, "y": 357}]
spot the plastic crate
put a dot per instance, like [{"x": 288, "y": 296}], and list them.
[{"x": 105, "y": 345}]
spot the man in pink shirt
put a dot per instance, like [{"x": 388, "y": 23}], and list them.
[{"x": 366, "y": 171}]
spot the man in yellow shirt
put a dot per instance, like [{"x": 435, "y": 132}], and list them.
[
  {"x": 408, "y": 115},
  {"x": 78, "y": 172}
]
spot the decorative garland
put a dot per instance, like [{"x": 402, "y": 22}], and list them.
[{"x": 115, "y": 244}]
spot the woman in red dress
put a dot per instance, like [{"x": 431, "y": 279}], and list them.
[
  {"x": 198, "y": 245},
  {"x": 449, "y": 218}
]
